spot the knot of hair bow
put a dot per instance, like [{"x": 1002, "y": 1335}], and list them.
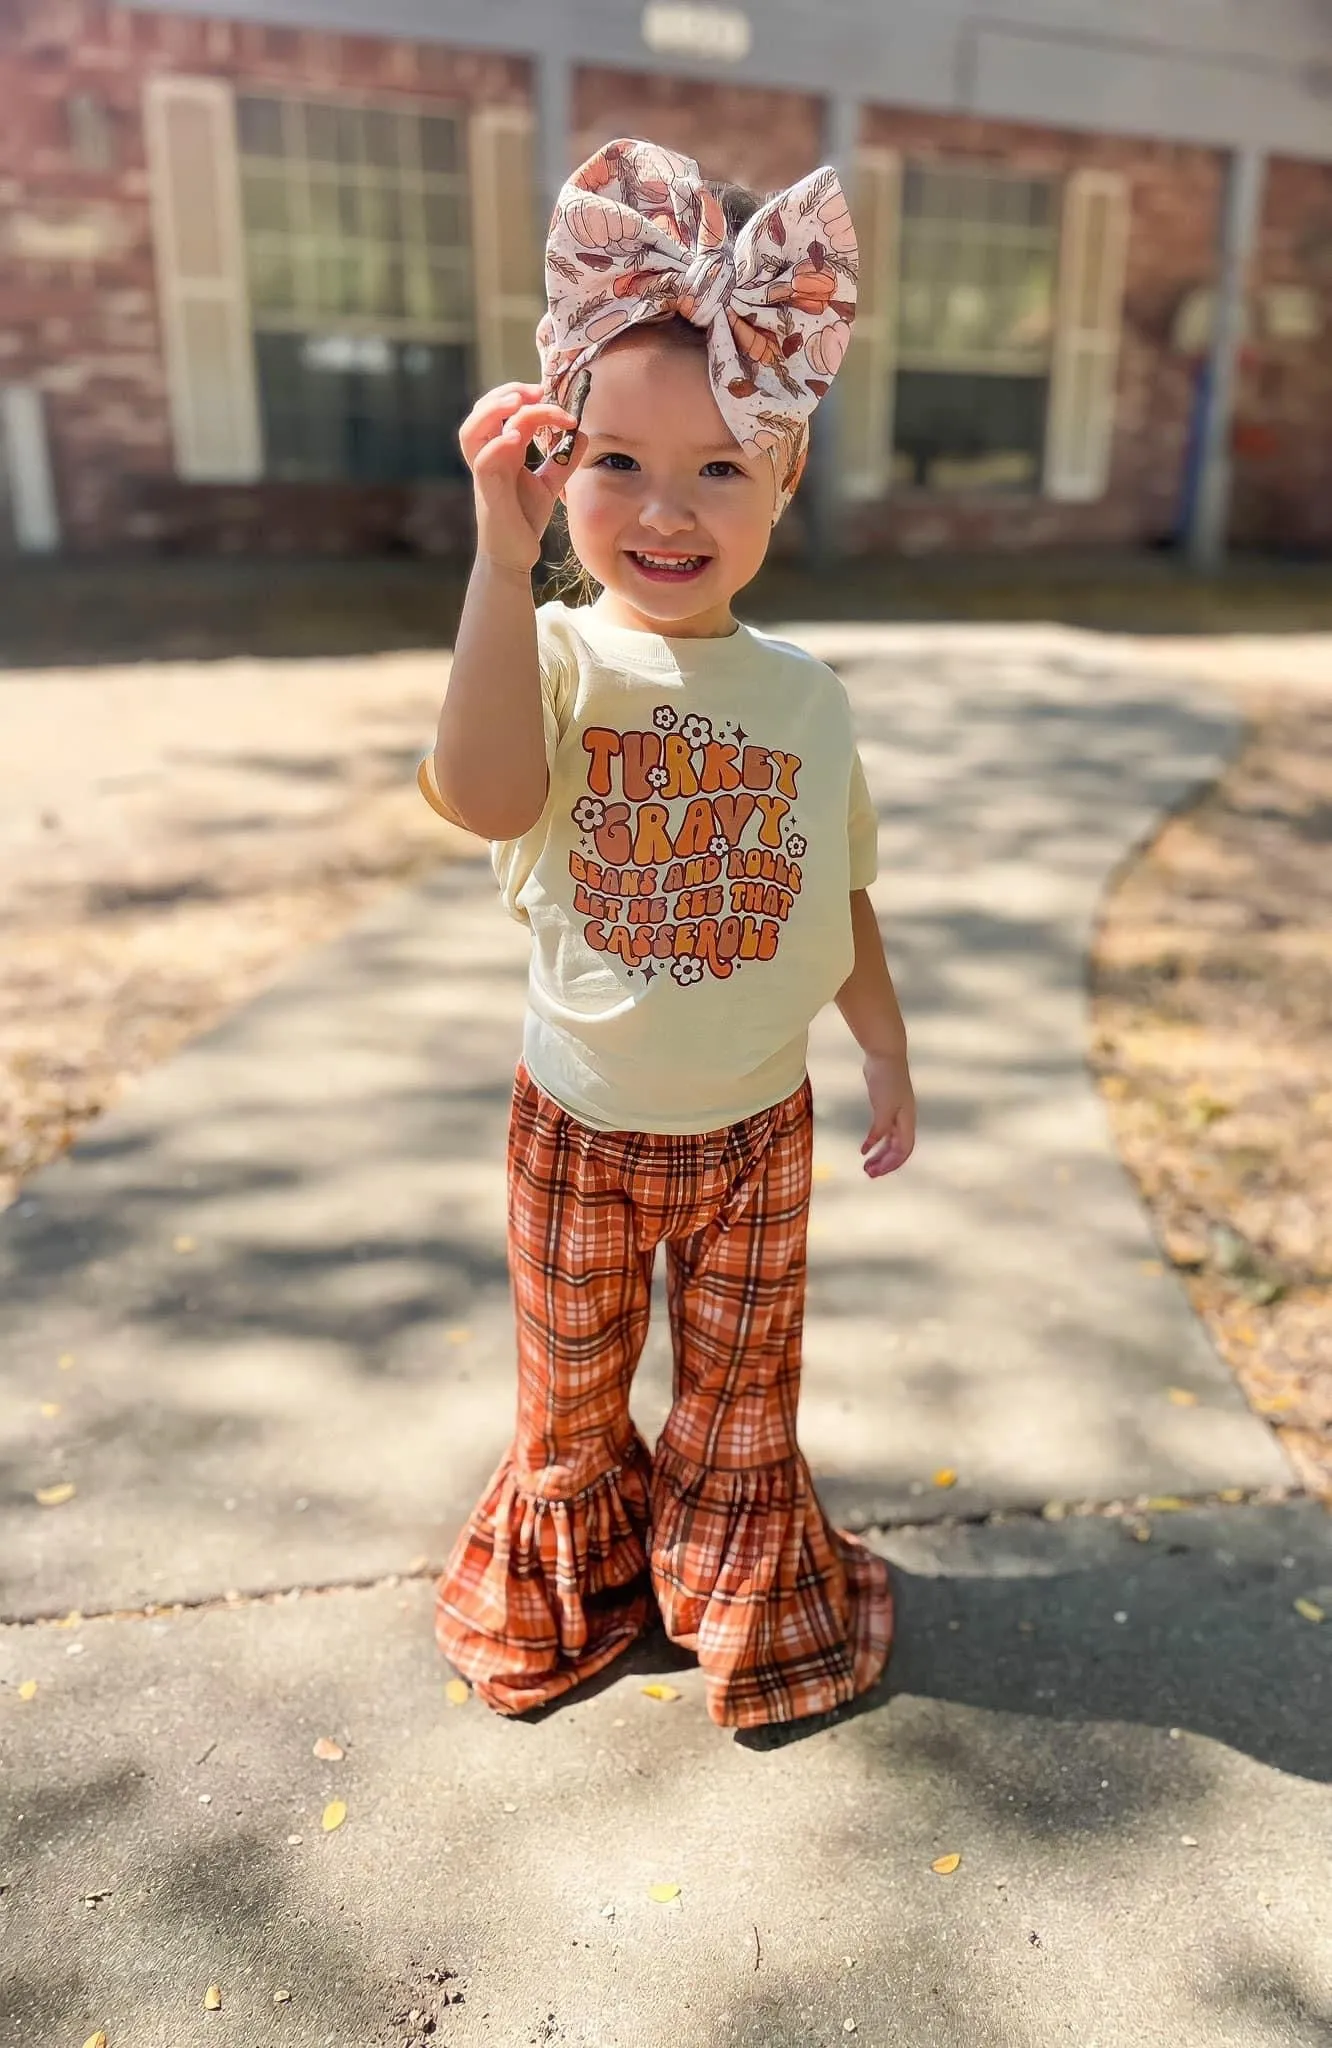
[{"x": 636, "y": 236}]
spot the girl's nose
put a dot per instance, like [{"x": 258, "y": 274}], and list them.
[{"x": 665, "y": 516}]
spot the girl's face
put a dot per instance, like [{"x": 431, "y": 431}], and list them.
[{"x": 666, "y": 509}]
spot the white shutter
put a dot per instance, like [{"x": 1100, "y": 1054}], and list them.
[
  {"x": 1093, "y": 252},
  {"x": 864, "y": 384},
  {"x": 25, "y": 470},
  {"x": 191, "y": 131},
  {"x": 507, "y": 256}
]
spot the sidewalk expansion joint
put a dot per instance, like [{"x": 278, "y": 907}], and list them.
[
  {"x": 225, "y": 1603},
  {"x": 1137, "y": 1516},
  {"x": 1137, "y": 1513}
]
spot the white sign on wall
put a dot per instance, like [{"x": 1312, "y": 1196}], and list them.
[{"x": 722, "y": 33}]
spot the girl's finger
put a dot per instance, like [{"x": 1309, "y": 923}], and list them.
[
  {"x": 519, "y": 428},
  {"x": 494, "y": 412},
  {"x": 557, "y": 474}
]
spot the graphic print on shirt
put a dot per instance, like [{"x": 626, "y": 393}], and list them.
[{"x": 691, "y": 858}]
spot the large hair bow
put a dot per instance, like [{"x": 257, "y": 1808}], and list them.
[{"x": 637, "y": 236}]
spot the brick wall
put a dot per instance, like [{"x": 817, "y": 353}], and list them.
[
  {"x": 1283, "y": 457},
  {"x": 78, "y": 297},
  {"x": 78, "y": 310}
]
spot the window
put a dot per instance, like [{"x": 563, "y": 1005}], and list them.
[
  {"x": 360, "y": 281},
  {"x": 975, "y": 330}
]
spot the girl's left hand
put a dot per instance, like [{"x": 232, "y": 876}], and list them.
[{"x": 892, "y": 1131}]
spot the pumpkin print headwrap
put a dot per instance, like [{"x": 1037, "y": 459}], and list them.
[{"x": 636, "y": 236}]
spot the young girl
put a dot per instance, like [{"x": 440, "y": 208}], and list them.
[{"x": 679, "y": 814}]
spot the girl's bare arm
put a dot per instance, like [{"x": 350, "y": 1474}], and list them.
[
  {"x": 490, "y": 756},
  {"x": 868, "y": 1002}
]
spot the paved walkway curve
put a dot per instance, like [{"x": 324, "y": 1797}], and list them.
[{"x": 278, "y": 1267}]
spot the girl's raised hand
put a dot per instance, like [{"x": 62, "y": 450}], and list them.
[{"x": 513, "y": 503}]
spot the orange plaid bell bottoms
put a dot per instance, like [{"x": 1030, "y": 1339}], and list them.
[{"x": 583, "y": 1535}]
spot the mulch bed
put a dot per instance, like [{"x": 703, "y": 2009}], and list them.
[{"x": 1212, "y": 1006}]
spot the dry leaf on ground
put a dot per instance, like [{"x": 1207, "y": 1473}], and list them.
[
  {"x": 28, "y": 1689},
  {"x": 328, "y": 1751},
  {"x": 945, "y": 1476},
  {"x": 663, "y": 1893},
  {"x": 97, "y": 2040},
  {"x": 659, "y": 1691},
  {"x": 213, "y": 1998},
  {"x": 334, "y": 1815},
  {"x": 457, "y": 1692},
  {"x": 55, "y": 1496},
  {"x": 946, "y": 1865},
  {"x": 1310, "y": 1610}
]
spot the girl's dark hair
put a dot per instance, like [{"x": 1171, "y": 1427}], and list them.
[{"x": 568, "y": 578}]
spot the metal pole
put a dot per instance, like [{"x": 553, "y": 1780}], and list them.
[
  {"x": 841, "y": 132},
  {"x": 1241, "y": 212}
]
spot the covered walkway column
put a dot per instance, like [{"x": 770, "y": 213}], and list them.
[
  {"x": 841, "y": 133},
  {"x": 1241, "y": 213},
  {"x": 554, "y": 112}
]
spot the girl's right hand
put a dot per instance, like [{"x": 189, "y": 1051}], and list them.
[{"x": 513, "y": 503}]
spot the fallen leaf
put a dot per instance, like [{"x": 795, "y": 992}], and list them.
[
  {"x": 663, "y": 1893},
  {"x": 50, "y": 1407},
  {"x": 1142, "y": 1532},
  {"x": 282, "y": 1998},
  {"x": 328, "y": 1751},
  {"x": 28, "y": 1689},
  {"x": 1188, "y": 1841},
  {"x": 73, "y": 1619},
  {"x": 54, "y": 1496},
  {"x": 1054, "y": 1511},
  {"x": 65, "y": 1360},
  {"x": 660, "y": 1692},
  {"x": 1231, "y": 1494},
  {"x": 97, "y": 2040},
  {"x": 1276, "y": 1404},
  {"x": 1182, "y": 1397},
  {"x": 457, "y": 1692},
  {"x": 1166, "y": 1504},
  {"x": 944, "y": 1866},
  {"x": 213, "y": 1998},
  {"x": 183, "y": 1244},
  {"x": 334, "y": 1815},
  {"x": 945, "y": 1476},
  {"x": 1310, "y": 1610}
]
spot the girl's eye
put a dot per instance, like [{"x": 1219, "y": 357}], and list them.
[
  {"x": 722, "y": 468},
  {"x": 623, "y": 463}
]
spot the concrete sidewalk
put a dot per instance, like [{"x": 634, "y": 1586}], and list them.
[{"x": 278, "y": 1269}]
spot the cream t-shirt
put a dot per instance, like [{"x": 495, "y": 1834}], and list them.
[{"x": 688, "y": 883}]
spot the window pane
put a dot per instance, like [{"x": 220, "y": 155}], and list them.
[
  {"x": 439, "y": 144},
  {"x": 270, "y": 280},
  {"x": 321, "y": 133},
  {"x": 381, "y": 213},
  {"x": 381, "y": 138},
  {"x": 957, "y": 432},
  {"x": 259, "y": 126},
  {"x": 369, "y": 410},
  {"x": 444, "y": 226},
  {"x": 264, "y": 199}
]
